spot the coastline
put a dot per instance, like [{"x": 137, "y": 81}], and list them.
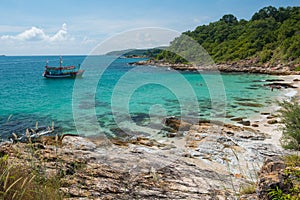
[
  {"x": 247, "y": 66},
  {"x": 269, "y": 114},
  {"x": 264, "y": 119},
  {"x": 191, "y": 161}
]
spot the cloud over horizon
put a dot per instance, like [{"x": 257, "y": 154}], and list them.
[{"x": 38, "y": 34}]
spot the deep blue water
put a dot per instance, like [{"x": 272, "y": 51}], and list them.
[{"x": 113, "y": 94}]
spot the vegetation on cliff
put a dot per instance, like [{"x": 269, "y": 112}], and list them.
[
  {"x": 271, "y": 35},
  {"x": 290, "y": 118},
  {"x": 285, "y": 184}
]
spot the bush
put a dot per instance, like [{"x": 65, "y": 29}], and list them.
[
  {"x": 289, "y": 188},
  {"x": 297, "y": 68},
  {"x": 290, "y": 118}
]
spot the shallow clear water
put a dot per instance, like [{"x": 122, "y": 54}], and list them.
[{"x": 119, "y": 94}]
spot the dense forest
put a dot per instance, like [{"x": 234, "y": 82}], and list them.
[{"x": 271, "y": 35}]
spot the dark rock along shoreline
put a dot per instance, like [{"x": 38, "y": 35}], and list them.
[{"x": 244, "y": 66}]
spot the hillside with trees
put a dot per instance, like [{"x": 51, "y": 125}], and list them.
[
  {"x": 132, "y": 53},
  {"x": 271, "y": 36}
]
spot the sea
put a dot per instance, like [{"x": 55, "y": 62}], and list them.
[{"x": 115, "y": 98}]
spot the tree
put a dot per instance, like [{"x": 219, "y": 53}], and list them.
[
  {"x": 265, "y": 12},
  {"x": 229, "y": 19},
  {"x": 272, "y": 34}
]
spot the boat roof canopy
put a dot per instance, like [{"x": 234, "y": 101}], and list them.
[{"x": 60, "y": 68}]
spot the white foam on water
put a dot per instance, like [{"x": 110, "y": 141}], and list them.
[{"x": 291, "y": 93}]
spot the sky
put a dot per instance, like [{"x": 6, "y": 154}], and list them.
[{"x": 76, "y": 27}]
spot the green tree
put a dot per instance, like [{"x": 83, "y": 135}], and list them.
[
  {"x": 271, "y": 34},
  {"x": 229, "y": 19},
  {"x": 266, "y": 12}
]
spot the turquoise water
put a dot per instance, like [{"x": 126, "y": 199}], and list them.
[{"x": 117, "y": 95}]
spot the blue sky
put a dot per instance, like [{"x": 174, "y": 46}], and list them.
[{"x": 36, "y": 27}]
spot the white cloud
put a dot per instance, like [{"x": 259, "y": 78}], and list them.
[
  {"x": 61, "y": 35},
  {"x": 37, "y": 34}
]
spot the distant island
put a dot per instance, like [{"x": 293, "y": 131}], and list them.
[{"x": 137, "y": 53}]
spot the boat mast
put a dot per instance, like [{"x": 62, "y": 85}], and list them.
[
  {"x": 60, "y": 62},
  {"x": 60, "y": 65}
]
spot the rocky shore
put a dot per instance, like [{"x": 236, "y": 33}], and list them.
[
  {"x": 186, "y": 160},
  {"x": 207, "y": 160},
  {"x": 243, "y": 66}
]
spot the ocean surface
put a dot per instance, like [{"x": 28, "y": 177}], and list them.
[{"x": 113, "y": 96}]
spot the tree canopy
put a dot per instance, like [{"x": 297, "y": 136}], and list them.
[{"x": 270, "y": 35}]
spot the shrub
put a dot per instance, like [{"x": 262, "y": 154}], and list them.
[
  {"x": 278, "y": 194},
  {"x": 290, "y": 187},
  {"x": 292, "y": 160},
  {"x": 297, "y": 68},
  {"x": 290, "y": 118}
]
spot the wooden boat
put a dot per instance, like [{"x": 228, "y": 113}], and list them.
[{"x": 62, "y": 71}]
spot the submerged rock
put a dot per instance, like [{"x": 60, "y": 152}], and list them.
[
  {"x": 245, "y": 122},
  {"x": 280, "y": 85},
  {"x": 177, "y": 124},
  {"x": 265, "y": 113},
  {"x": 250, "y": 104}
]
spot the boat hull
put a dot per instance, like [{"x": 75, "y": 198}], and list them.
[{"x": 69, "y": 75}]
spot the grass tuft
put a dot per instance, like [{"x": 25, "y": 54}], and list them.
[
  {"x": 22, "y": 182},
  {"x": 248, "y": 189}
]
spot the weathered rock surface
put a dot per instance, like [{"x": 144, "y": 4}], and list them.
[
  {"x": 207, "y": 161},
  {"x": 138, "y": 171},
  {"x": 271, "y": 176}
]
